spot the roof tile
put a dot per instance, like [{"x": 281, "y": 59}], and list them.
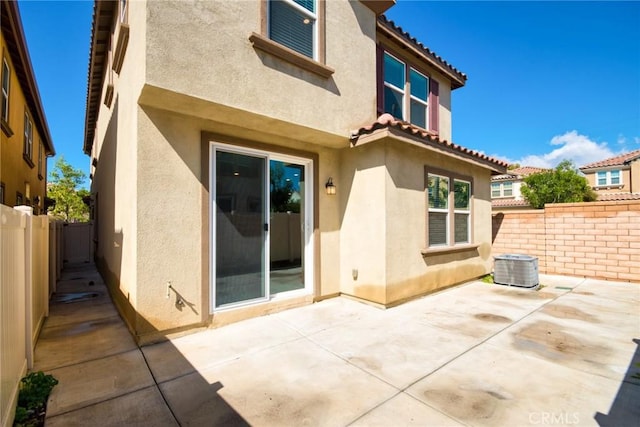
[
  {"x": 619, "y": 160},
  {"x": 388, "y": 121}
]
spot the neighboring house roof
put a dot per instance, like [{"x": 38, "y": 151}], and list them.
[
  {"x": 621, "y": 160},
  {"x": 509, "y": 203},
  {"x": 17, "y": 47},
  {"x": 391, "y": 30},
  {"x": 610, "y": 197},
  {"x": 518, "y": 173},
  {"x": 426, "y": 138}
]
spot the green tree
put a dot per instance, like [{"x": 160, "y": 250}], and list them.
[
  {"x": 563, "y": 184},
  {"x": 64, "y": 183}
]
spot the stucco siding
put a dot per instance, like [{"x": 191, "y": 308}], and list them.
[
  {"x": 409, "y": 272},
  {"x": 208, "y": 39}
]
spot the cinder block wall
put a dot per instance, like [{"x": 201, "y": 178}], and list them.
[{"x": 599, "y": 240}]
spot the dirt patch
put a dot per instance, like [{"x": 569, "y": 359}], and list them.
[
  {"x": 567, "y": 312},
  {"x": 491, "y": 317},
  {"x": 549, "y": 341},
  {"x": 464, "y": 404}
]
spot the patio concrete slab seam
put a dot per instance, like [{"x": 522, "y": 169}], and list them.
[
  {"x": 157, "y": 386},
  {"x": 80, "y": 408},
  {"x": 87, "y": 360},
  {"x": 44, "y": 327}
]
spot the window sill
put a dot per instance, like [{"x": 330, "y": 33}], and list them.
[
  {"x": 6, "y": 129},
  {"x": 448, "y": 249},
  {"x": 609, "y": 187},
  {"x": 28, "y": 160},
  {"x": 121, "y": 48},
  {"x": 289, "y": 55}
]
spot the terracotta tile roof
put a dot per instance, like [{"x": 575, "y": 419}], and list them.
[
  {"x": 620, "y": 160},
  {"x": 518, "y": 173},
  {"x": 508, "y": 203},
  {"x": 609, "y": 197},
  {"x": 458, "y": 77},
  {"x": 386, "y": 120}
]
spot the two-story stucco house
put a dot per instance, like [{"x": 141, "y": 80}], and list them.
[
  {"x": 257, "y": 155},
  {"x": 25, "y": 142},
  {"x": 505, "y": 188},
  {"x": 615, "y": 178}
]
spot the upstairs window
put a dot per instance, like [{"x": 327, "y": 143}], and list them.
[
  {"x": 28, "y": 139},
  {"x": 407, "y": 93},
  {"x": 501, "y": 189},
  {"x": 610, "y": 177},
  {"x": 293, "y": 23},
  {"x": 6, "y": 78},
  {"x": 449, "y": 210},
  {"x": 40, "y": 160}
]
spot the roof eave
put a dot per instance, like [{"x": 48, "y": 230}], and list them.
[
  {"x": 448, "y": 149},
  {"x": 458, "y": 79},
  {"x": 25, "y": 74}
]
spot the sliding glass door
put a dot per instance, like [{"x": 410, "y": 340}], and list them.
[{"x": 261, "y": 228}]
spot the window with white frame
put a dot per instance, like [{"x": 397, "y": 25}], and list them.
[
  {"x": 28, "y": 137},
  {"x": 6, "y": 80},
  {"x": 501, "y": 189},
  {"x": 1, "y": 193},
  {"x": 610, "y": 177},
  {"x": 293, "y": 23},
  {"x": 449, "y": 210},
  {"x": 40, "y": 160},
  {"x": 438, "y": 195},
  {"x": 400, "y": 80},
  {"x": 461, "y": 211}
]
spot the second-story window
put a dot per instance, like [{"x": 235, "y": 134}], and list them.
[
  {"x": 293, "y": 23},
  {"x": 6, "y": 78},
  {"x": 28, "y": 137},
  {"x": 401, "y": 80},
  {"x": 502, "y": 189},
  {"x": 611, "y": 177},
  {"x": 40, "y": 160}
]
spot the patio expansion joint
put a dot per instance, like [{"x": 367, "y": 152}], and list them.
[
  {"x": 108, "y": 399},
  {"x": 80, "y": 362},
  {"x": 157, "y": 386}
]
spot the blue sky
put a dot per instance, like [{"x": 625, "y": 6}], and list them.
[{"x": 547, "y": 81}]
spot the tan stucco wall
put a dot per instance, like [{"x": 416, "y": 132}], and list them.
[
  {"x": 15, "y": 172},
  {"x": 209, "y": 40},
  {"x": 114, "y": 183},
  {"x": 173, "y": 197},
  {"x": 635, "y": 176},
  {"x": 384, "y": 227},
  {"x": 629, "y": 183}
]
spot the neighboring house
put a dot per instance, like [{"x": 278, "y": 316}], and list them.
[
  {"x": 242, "y": 163},
  {"x": 505, "y": 188},
  {"x": 25, "y": 139},
  {"x": 616, "y": 178}
]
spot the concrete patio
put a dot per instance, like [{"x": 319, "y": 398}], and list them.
[{"x": 477, "y": 354}]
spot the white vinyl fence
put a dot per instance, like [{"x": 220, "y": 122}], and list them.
[{"x": 25, "y": 254}]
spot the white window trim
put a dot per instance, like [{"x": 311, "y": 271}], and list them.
[
  {"x": 28, "y": 136},
  {"x": 309, "y": 249},
  {"x": 396, "y": 88},
  {"x": 420, "y": 101},
  {"x": 446, "y": 211},
  {"x": 5, "y": 91},
  {"x": 502, "y": 190},
  {"x": 466, "y": 211},
  {"x": 313, "y": 16},
  {"x": 608, "y": 182}
]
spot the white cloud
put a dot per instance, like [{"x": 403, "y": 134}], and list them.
[{"x": 570, "y": 146}]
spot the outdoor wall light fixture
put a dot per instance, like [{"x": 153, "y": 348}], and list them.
[{"x": 331, "y": 189}]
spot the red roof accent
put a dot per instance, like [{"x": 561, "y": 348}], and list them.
[
  {"x": 610, "y": 197},
  {"x": 386, "y": 120},
  {"x": 518, "y": 173},
  {"x": 459, "y": 77},
  {"x": 508, "y": 203},
  {"x": 620, "y": 160}
]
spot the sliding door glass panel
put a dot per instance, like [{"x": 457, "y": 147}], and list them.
[
  {"x": 240, "y": 225},
  {"x": 287, "y": 197}
]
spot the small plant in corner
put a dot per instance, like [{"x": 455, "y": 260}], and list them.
[
  {"x": 32, "y": 399},
  {"x": 487, "y": 279}
]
